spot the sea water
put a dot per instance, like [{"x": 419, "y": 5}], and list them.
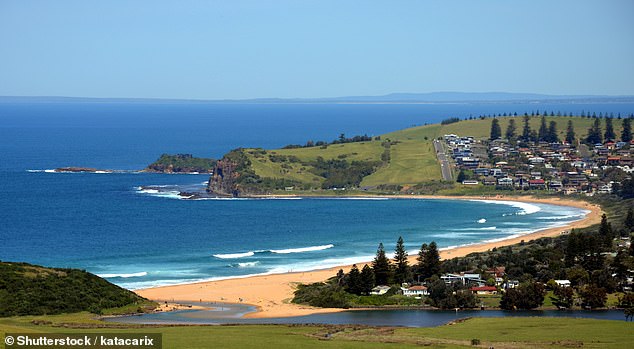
[{"x": 108, "y": 224}]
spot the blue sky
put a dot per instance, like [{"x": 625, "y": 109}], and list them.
[{"x": 248, "y": 49}]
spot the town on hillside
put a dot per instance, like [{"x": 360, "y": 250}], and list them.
[{"x": 539, "y": 160}]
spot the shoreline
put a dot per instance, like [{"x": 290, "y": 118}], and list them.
[{"x": 271, "y": 293}]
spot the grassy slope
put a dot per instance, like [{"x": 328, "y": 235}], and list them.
[
  {"x": 498, "y": 332},
  {"x": 413, "y": 159}
]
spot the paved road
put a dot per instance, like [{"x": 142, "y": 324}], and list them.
[{"x": 445, "y": 167}]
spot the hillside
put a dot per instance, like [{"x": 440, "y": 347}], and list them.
[
  {"x": 27, "y": 289},
  {"x": 181, "y": 163},
  {"x": 393, "y": 160}
]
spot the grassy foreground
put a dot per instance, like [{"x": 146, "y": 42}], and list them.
[{"x": 496, "y": 332}]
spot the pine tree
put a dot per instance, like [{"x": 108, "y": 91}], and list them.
[
  {"x": 594, "y": 133},
  {"x": 510, "y": 130},
  {"x": 570, "y": 133},
  {"x": 354, "y": 284},
  {"x": 401, "y": 272},
  {"x": 609, "y": 130},
  {"x": 552, "y": 132},
  {"x": 381, "y": 267},
  {"x": 605, "y": 231},
  {"x": 626, "y": 134},
  {"x": 461, "y": 176},
  {"x": 367, "y": 279},
  {"x": 428, "y": 260},
  {"x": 629, "y": 220},
  {"x": 526, "y": 131},
  {"x": 496, "y": 131},
  {"x": 341, "y": 278},
  {"x": 542, "y": 134}
]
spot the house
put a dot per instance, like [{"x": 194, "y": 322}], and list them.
[
  {"x": 415, "y": 291},
  {"x": 537, "y": 183},
  {"x": 563, "y": 283},
  {"x": 380, "y": 290},
  {"x": 463, "y": 278},
  {"x": 480, "y": 290},
  {"x": 470, "y": 182},
  {"x": 510, "y": 284}
]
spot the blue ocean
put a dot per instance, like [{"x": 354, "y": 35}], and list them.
[{"x": 109, "y": 225}]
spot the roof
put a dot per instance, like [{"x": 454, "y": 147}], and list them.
[
  {"x": 417, "y": 288},
  {"x": 483, "y": 288},
  {"x": 536, "y": 181}
]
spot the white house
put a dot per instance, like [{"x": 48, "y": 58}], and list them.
[
  {"x": 563, "y": 283},
  {"x": 380, "y": 290},
  {"x": 415, "y": 291}
]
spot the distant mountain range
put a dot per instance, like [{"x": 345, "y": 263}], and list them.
[{"x": 433, "y": 97}]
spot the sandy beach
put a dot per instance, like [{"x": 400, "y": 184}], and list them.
[{"x": 272, "y": 293}]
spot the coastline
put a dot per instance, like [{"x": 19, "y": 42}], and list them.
[{"x": 271, "y": 293}]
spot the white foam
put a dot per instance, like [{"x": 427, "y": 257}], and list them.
[
  {"x": 35, "y": 171},
  {"x": 130, "y": 275},
  {"x": 304, "y": 249},
  {"x": 234, "y": 255},
  {"x": 482, "y": 220},
  {"x": 526, "y": 208},
  {"x": 50, "y": 171},
  {"x": 248, "y": 264}
]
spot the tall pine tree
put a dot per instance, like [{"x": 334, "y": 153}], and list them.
[
  {"x": 367, "y": 279},
  {"x": 570, "y": 133},
  {"x": 428, "y": 260},
  {"x": 542, "y": 134},
  {"x": 510, "y": 130},
  {"x": 609, "y": 130},
  {"x": 626, "y": 134},
  {"x": 381, "y": 267},
  {"x": 401, "y": 272},
  {"x": 526, "y": 131},
  {"x": 354, "y": 284},
  {"x": 594, "y": 133},
  {"x": 552, "y": 132},
  {"x": 496, "y": 131}
]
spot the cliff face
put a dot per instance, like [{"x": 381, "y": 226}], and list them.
[{"x": 224, "y": 180}]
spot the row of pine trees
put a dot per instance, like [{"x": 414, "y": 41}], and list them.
[
  {"x": 548, "y": 132},
  {"x": 384, "y": 271}
]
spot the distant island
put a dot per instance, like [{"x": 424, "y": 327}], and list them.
[{"x": 404, "y": 98}]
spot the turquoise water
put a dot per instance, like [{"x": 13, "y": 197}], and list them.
[{"x": 138, "y": 238}]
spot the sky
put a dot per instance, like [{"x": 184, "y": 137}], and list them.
[{"x": 239, "y": 49}]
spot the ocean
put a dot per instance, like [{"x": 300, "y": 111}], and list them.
[{"x": 107, "y": 224}]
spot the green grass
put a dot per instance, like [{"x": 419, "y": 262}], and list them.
[
  {"x": 498, "y": 332},
  {"x": 412, "y": 159},
  {"x": 411, "y": 162}
]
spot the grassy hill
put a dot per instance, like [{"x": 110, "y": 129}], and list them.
[
  {"x": 27, "y": 289},
  {"x": 403, "y": 158}
]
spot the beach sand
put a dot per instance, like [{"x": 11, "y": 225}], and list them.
[{"x": 271, "y": 294}]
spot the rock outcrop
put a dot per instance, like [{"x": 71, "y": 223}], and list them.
[{"x": 224, "y": 180}]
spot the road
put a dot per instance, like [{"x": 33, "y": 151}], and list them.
[{"x": 445, "y": 167}]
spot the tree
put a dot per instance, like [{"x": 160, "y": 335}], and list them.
[
  {"x": 542, "y": 134},
  {"x": 461, "y": 176},
  {"x": 428, "y": 260},
  {"x": 629, "y": 220},
  {"x": 401, "y": 272},
  {"x": 341, "y": 278},
  {"x": 593, "y": 296},
  {"x": 367, "y": 279},
  {"x": 381, "y": 267},
  {"x": 626, "y": 134},
  {"x": 510, "y": 130},
  {"x": 570, "y": 133},
  {"x": 609, "y": 130},
  {"x": 594, "y": 133},
  {"x": 354, "y": 284},
  {"x": 528, "y": 295},
  {"x": 605, "y": 231},
  {"x": 564, "y": 296},
  {"x": 526, "y": 131},
  {"x": 496, "y": 131},
  {"x": 552, "y": 136}
]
